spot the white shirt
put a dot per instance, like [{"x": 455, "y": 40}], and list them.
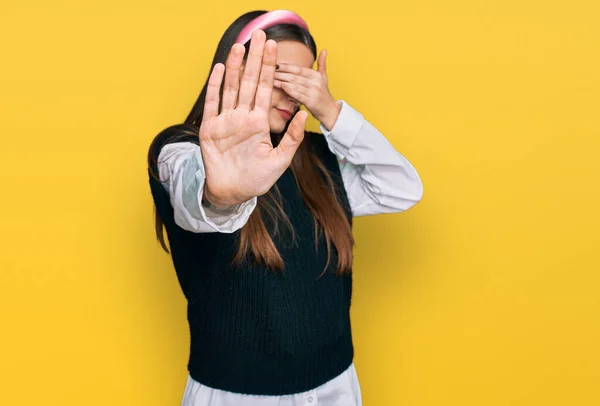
[
  {"x": 343, "y": 390},
  {"x": 377, "y": 179}
]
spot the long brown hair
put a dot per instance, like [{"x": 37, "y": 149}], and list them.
[{"x": 314, "y": 181}]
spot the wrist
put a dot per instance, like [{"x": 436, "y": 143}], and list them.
[
  {"x": 217, "y": 202},
  {"x": 331, "y": 115}
]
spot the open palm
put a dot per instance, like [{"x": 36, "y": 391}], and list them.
[{"x": 239, "y": 158}]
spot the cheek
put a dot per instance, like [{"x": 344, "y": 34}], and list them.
[
  {"x": 277, "y": 96},
  {"x": 276, "y": 122}
]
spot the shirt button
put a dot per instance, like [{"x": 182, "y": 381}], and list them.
[{"x": 310, "y": 399}]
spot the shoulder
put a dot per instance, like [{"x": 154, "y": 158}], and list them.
[
  {"x": 179, "y": 133},
  {"x": 173, "y": 134},
  {"x": 318, "y": 145},
  {"x": 316, "y": 141}
]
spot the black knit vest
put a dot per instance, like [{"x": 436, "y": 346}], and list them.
[{"x": 253, "y": 330}]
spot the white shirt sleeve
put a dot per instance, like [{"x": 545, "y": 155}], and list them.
[
  {"x": 181, "y": 172},
  {"x": 377, "y": 178}
]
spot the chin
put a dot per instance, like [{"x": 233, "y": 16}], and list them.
[{"x": 278, "y": 125}]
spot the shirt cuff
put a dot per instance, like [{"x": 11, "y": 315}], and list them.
[
  {"x": 230, "y": 219},
  {"x": 344, "y": 131},
  {"x": 221, "y": 220}
]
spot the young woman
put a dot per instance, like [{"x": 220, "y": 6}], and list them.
[{"x": 258, "y": 215}]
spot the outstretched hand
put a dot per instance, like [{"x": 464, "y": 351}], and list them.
[{"x": 239, "y": 159}]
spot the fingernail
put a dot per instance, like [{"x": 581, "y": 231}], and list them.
[{"x": 276, "y": 66}]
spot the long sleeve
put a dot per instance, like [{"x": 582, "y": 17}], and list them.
[
  {"x": 377, "y": 178},
  {"x": 181, "y": 171}
]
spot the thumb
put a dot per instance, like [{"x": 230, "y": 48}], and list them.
[
  {"x": 291, "y": 139},
  {"x": 321, "y": 62}
]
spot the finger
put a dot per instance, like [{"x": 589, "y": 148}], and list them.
[
  {"x": 296, "y": 92},
  {"x": 293, "y": 78},
  {"x": 252, "y": 69},
  {"x": 298, "y": 70},
  {"x": 232, "y": 76},
  {"x": 211, "y": 103},
  {"x": 322, "y": 62},
  {"x": 291, "y": 139},
  {"x": 293, "y": 89},
  {"x": 267, "y": 73}
]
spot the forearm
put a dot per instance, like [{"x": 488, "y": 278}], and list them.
[
  {"x": 377, "y": 177},
  {"x": 183, "y": 176}
]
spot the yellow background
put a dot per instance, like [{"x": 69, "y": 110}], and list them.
[{"x": 486, "y": 293}]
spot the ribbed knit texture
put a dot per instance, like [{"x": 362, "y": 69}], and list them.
[{"x": 256, "y": 331}]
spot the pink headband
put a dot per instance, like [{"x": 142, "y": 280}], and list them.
[{"x": 270, "y": 19}]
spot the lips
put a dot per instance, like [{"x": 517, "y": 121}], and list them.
[{"x": 285, "y": 113}]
